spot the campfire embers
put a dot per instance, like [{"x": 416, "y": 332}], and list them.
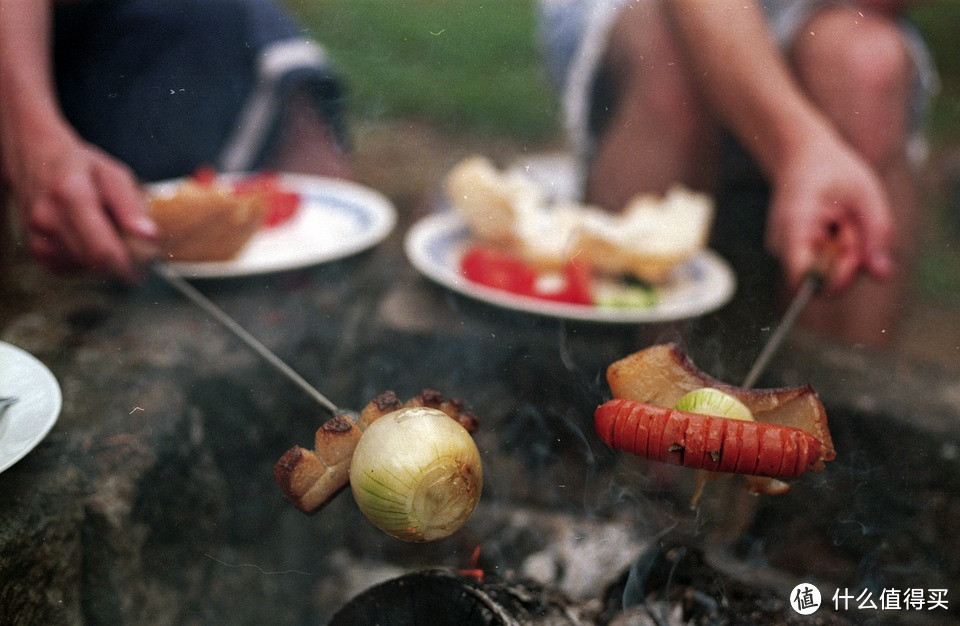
[
  {"x": 877, "y": 518},
  {"x": 445, "y": 597},
  {"x": 664, "y": 586},
  {"x": 677, "y": 585}
]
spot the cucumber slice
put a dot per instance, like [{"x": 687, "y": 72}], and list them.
[{"x": 625, "y": 296}]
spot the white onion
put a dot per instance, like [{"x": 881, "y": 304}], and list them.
[{"x": 416, "y": 474}]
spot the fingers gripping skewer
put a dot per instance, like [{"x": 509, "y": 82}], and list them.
[{"x": 190, "y": 292}]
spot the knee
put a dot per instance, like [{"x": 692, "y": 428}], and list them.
[
  {"x": 880, "y": 70},
  {"x": 868, "y": 95},
  {"x": 877, "y": 64}
]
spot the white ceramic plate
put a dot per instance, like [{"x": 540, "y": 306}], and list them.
[
  {"x": 336, "y": 219},
  {"x": 24, "y": 424},
  {"x": 437, "y": 242}
]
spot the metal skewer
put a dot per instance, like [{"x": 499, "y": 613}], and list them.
[
  {"x": 808, "y": 287},
  {"x": 827, "y": 255},
  {"x": 190, "y": 292}
]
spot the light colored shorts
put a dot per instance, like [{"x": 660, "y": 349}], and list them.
[{"x": 573, "y": 36}]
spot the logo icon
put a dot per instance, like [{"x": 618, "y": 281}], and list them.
[{"x": 805, "y": 599}]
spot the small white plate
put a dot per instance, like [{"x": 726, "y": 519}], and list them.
[
  {"x": 336, "y": 219},
  {"x": 436, "y": 243},
  {"x": 25, "y": 423}
]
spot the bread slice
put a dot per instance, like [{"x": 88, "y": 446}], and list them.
[{"x": 199, "y": 222}]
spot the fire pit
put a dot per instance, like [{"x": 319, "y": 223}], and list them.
[
  {"x": 591, "y": 517},
  {"x": 565, "y": 569},
  {"x": 663, "y": 586},
  {"x": 154, "y": 500}
]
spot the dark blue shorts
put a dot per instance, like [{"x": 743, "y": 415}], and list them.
[{"x": 167, "y": 85}]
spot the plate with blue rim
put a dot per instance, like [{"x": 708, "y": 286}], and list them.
[
  {"x": 436, "y": 244},
  {"x": 335, "y": 219}
]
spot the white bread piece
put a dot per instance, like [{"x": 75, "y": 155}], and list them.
[
  {"x": 205, "y": 222},
  {"x": 488, "y": 199},
  {"x": 651, "y": 237},
  {"x": 509, "y": 209},
  {"x": 648, "y": 240},
  {"x": 548, "y": 235}
]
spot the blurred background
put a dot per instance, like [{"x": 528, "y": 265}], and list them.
[{"x": 431, "y": 81}]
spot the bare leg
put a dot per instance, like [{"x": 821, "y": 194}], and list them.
[
  {"x": 307, "y": 145},
  {"x": 856, "y": 67},
  {"x": 658, "y": 132}
]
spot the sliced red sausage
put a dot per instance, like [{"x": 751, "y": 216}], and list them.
[{"x": 703, "y": 441}]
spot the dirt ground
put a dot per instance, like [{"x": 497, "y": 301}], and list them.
[{"x": 407, "y": 160}]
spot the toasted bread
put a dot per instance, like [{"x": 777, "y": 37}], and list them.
[{"x": 205, "y": 222}]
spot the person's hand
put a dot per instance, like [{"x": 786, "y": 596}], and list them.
[
  {"x": 81, "y": 208},
  {"x": 826, "y": 197}
]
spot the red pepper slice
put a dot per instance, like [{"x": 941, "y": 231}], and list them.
[
  {"x": 503, "y": 270},
  {"x": 204, "y": 175},
  {"x": 499, "y": 270},
  {"x": 577, "y": 287},
  {"x": 580, "y": 281},
  {"x": 282, "y": 204},
  {"x": 257, "y": 182}
]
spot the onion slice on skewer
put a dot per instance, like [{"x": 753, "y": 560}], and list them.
[{"x": 416, "y": 474}]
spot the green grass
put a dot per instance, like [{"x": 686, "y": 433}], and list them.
[
  {"x": 937, "y": 21},
  {"x": 938, "y": 273},
  {"x": 938, "y": 270},
  {"x": 459, "y": 65}
]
